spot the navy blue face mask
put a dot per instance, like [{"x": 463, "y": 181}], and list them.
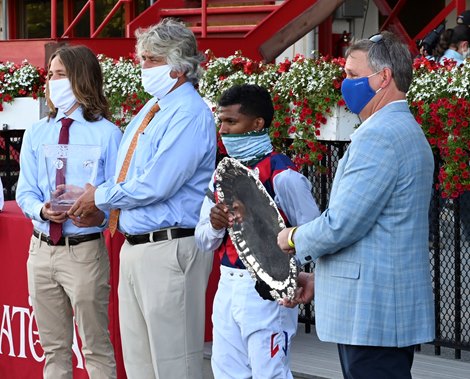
[{"x": 357, "y": 93}]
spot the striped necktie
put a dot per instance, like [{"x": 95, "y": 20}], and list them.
[
  {"x": 55, "y": 229},
  {"x": 114, "y": 214}
]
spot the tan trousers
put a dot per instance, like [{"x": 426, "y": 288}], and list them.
[
  {"x": 162, "y": 289},
  {"x": 67, "y": 281}
]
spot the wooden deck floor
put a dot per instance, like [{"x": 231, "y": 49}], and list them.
[{"x": 313, "y": 359}]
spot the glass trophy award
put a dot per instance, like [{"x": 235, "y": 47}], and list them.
[{"x": 69, "y": 168}]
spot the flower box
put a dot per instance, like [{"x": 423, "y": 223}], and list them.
[
  {"x": 21, "y": 114},
  {"x": 339, "y": 126}
]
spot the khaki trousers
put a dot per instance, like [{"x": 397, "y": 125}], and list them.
[
  {"x": 162, "y": 289},
  {"x": 68, "y": 281}
]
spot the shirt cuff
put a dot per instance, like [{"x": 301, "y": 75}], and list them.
[
  {"x": 37, "y": 214},
  {"x": 214, "y": 233},
  {"x": 100, "y": 198},
  {"x": 104, "y": 223}
]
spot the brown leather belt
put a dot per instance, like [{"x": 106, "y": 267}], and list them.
[
  {"x": 73, "y": 240},
  {"x": 160, "y": 235}
]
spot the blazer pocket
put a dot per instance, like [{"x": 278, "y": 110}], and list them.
[{"x": 345, "y": 269}]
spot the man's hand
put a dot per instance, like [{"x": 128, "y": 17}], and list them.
[
  {"x": 91, "y": 219},
  {"x": 220, "y": 217},
  {"x": 48, "y": 214},
  {"x": 304, "y": 292},
  {"x": 282, "y": 239},
  {"x": 85, "y": 204}
]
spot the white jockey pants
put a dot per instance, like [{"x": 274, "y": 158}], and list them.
[{"x": 251, "y": 336}]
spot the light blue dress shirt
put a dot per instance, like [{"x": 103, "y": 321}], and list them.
[
  {"x": 171, "y": 166},
  {"x": 33, "y": 187},
  {"x": 452, "y": 54}
]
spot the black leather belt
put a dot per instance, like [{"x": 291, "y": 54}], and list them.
[
  {"x": 160, "y": 235},
  {"x": 73, "y": 240}
]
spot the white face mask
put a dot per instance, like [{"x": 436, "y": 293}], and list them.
[
  {"x": 157, "y": 80},
  {"x": 466, "y": 54},
  {"x": 61, "y": 94}
]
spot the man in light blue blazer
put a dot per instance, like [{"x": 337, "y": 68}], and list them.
[{"x": 373, "y": 293}]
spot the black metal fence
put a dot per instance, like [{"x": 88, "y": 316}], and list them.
[{"x": 449, "y": 242}]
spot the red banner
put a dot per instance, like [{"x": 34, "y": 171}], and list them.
[{"x": 21, "y": 355}]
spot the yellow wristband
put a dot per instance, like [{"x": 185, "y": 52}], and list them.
[{"x": 290, "y": 242}]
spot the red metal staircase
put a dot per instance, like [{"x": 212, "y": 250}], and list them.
[
  {"x": 261, "y": 29},
  {"x": 221, "y": 18},
  {"x": 392, "y": 19}
]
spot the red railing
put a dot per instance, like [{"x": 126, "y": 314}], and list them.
[
  {"x": 458, "y": 5},
  {"x": 204, "y": 18},
  {"x": 392, "y": 22},
  {"x": 90, "y": 7},
  {"x": 201, "y": 19},
  {"x": 263, "y": 33},
  {"x": 261, "y": 38}
]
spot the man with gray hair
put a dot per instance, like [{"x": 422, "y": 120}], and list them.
[
  {"x": 164, "y": 163},
  {"x": 373, "y": 293}
]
